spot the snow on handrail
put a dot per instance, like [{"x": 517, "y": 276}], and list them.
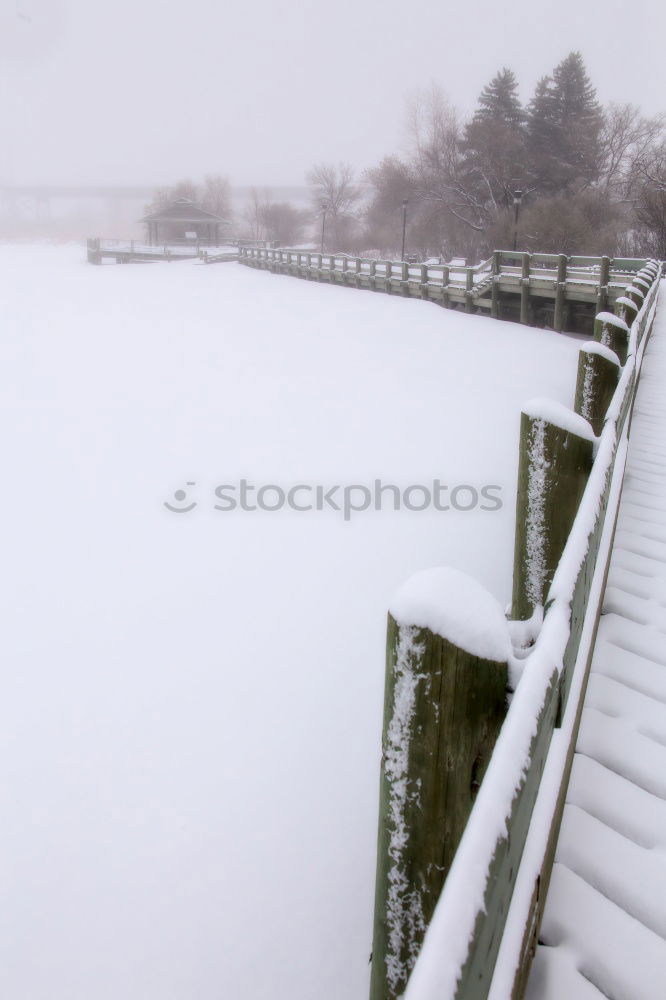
[
  {"x": 461, "y": 944},
  {"x": 460, "y": 276}
]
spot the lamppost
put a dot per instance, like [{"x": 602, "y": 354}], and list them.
[
  {"x": 404, "y": 227},
  {"x": 517, "y": 201},
  {"x": 324, "y": 207}
]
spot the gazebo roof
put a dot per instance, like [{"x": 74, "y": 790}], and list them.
[{"x": 182, "y": 210}]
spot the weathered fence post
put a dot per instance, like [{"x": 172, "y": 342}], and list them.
[
  {"x": 604, "y": 278},
  {"x": 387, "y": 276},
  {"x": 612, "y": 332},
  {"x": 525, "y": 290},
  {"x": 372, "y": 278},
  {"x": 444, "y": 704},
  {"x": 627, "y": 310},
  {"x": 560, "y": 293},
  {"x": 424, "y": 281},
  {"x": 469, "y": 290},
  {"x": 556, "y": 453},
  {"x": 495, "y": 289},
  {"x": 598, "y": 376},
  {"x": 636, "y": 295},
  {"x": 446, "y": 298},
  {"x": 404, "y": 278}
]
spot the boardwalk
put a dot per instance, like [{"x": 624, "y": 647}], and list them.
[
  {"x": 550, "y": 290},
  {"x": 133, "y": 251},
  {"x": 604, "y": 930}
]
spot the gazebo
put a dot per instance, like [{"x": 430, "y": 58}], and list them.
[{"x": 183, "y": 221}]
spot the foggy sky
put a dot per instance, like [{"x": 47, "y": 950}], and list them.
[{"x": 148, "y": 91}]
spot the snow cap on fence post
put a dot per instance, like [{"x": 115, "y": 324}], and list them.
[
  {"x": 613, "y": 332},
  {"x": 627, "y": 310},
  {"x": 556, "y": 454},
  {"x": 636, "y": 295},
  {"x": 598, "y": 376},
  {"x": 447, "y": 657}
]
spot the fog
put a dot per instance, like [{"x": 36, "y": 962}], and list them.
[{"x": 146, "y": 91}]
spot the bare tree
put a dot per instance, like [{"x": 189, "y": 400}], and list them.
[
  {"x": 628, "y": 143},
  {"x": 167, "y": 195},
  {"x": 333, "y": 187},
  {"x": 213, "y": 195},
  {"x": 283, "y": 223},
  {"x": 438, "y": 161},
  {"x": 650, "y": 167},
  {"x": 216, "y": 195},
  {"x": 253, "y": 214},
  {"x": 650, "y": 211}
]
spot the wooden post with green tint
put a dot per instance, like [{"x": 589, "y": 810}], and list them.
[
  {"x": 560, "y": 293},
  {"x": 423, "y": 283},
  {"x": 469, "y": 290},
  {"x": 446, "y": 298},
  {"x": 598, "y": 376},
  {"x": 604, "y": 278},
  {"x": 554, "y": 466},
  {"x": 495, "y": 289},
  {"x": 613, "y": 332},
  {"x": 525, "y": 290},
  {"x": 443, "y": 710},
  {"x": 636, "y": 295},
  {"x": 627, "y": 310}
]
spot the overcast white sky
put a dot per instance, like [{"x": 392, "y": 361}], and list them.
[{"x": 147, "y": 91}]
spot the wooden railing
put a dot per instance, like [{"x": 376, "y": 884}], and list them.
[
  {"x": 125, "y": 251},
  {"x": 508, "y": 282},
  {"x": 494, "y": 889}
]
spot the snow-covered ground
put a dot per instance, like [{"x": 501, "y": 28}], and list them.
[{"x": 191, "y": 702}]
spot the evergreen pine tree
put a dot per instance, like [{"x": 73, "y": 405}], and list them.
[
  {"x": 564, "y": 123},
  {"x": 495, "y": 142},
  {"x": 499, "y": 100},
  {"x": 579, "y": 115}
]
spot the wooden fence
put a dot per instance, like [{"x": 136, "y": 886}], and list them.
[
  {"x": 462, "y": 769},
  {"x": 128, "y": 251},
  {"x": 536, "y": 289}
]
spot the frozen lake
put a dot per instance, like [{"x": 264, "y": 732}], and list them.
[{"x": 191, "y": 709}]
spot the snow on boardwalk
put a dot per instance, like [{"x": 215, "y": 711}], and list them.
[{"x": 604, "y": 930}]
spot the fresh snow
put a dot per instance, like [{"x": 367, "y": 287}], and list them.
[
  {"x": 594, "y": 347},
  {"x": 611, "y": 319},
  {"x": 561, "y": 416},
  {"x": 192, "y": 703},
  {"x": 456, "y": 607}
]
